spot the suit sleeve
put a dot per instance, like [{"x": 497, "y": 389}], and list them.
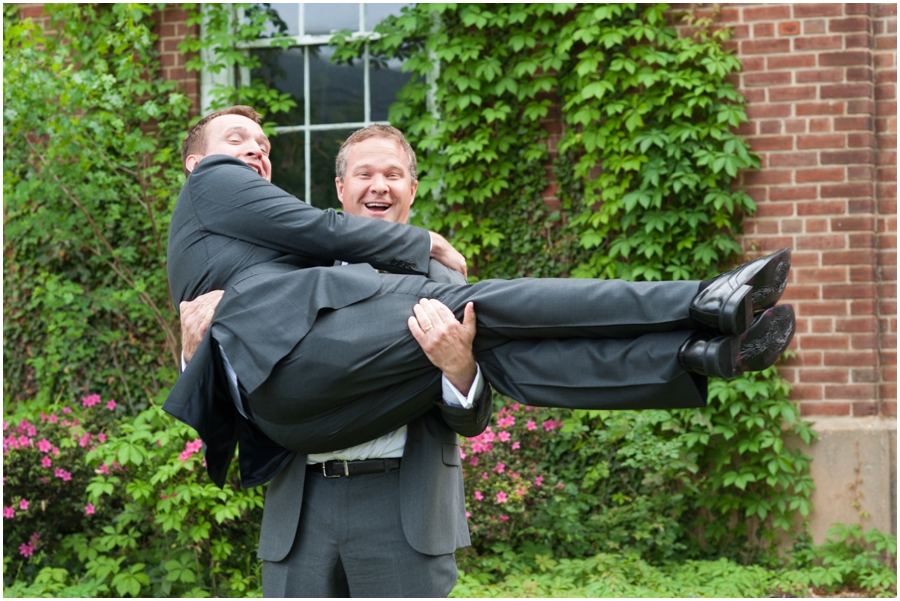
[
  {"x": 469, "y": 422},
  {"x": 230, "y": 199}
]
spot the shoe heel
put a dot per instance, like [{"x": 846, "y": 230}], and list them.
[
  {"x": 737, "y": 314},
  {"x": 723, "y": 357}
]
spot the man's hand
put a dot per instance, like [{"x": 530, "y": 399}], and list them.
[
  {"x": 442, "y": 252},
  {"x": 195, "y": 319},
  {"x": 447, "y": 342}
]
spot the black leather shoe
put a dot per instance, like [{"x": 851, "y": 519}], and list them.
[
  {"x": 717, "y": 356},
  {"x": 729, "y": 302}
]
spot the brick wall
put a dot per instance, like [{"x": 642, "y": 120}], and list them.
[
  {"x": 820, "y": 81},
  {"x": 172, "y": 30}
]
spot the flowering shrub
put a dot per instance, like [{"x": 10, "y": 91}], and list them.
[
  {"x": 94, "y": 505},
  {"x": 504, "y": 477}
]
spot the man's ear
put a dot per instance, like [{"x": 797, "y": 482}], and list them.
[
  {"x": 339, "y": 188},
  {"x": 190, "y": 163},
  {"x": 414, "y": 186}
]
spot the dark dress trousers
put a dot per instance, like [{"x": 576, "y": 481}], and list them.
[{"x": 324, "y": 355}]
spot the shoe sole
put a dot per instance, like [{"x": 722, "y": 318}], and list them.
[
  {"x": 722, "y": 358},
  {"x": 736, "y": 316},
  {"x": 767, "y": 338}
]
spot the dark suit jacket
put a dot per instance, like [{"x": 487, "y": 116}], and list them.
[
  {"x": 233, "y": 231},
  {"x": 433, "y": 507}
]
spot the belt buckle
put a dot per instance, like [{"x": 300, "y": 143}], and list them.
[{"x": 346, "y": 469}]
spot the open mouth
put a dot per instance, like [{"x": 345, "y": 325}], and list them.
[{"x": 378, "y": 207}]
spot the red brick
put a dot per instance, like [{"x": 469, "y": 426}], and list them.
[
  {"x": 793, "y": 159},
  {"x": 821, "y": 125},
  {"x": 858, "y": 40},
  {"x": 765, "y": 46},
  {"x": 862, "y": 307},
  {"x": 819, "y": 408},
  {"x": 795, "y": 126},
  {"x": 767, "y": 177},
  {"x": 889, "y": 408},
  {"x": 767, "y": 13},
  {"x": 819, "y": 42},
  {"x": 857, "y": 291},
  {"x": 821, "y": 141},
  {"x": 775, "y": 210},
  {"x": 770, "y": 127},
  {"x": 768, "y": 111},
  {"x": 852, "y": 190},
  {"x": 821, "y": 207},
  {"x": 790, "y": 226},
  {"x": 763, "y": 143},
  {"x": 885, "y": 92},
  {"x": 834, "y": 174},
  {"x": 792, "y": 93},
  {"x": 847, "y": 157},
  {"x": 863, "y": 374},
  {"x": 845, "y": 59},
  {"x": 763, "y": 30},
  {"x": 846, "y": 90},
  {"x": 821, "y": 242},
  {"x": 863, "y": 341},
  {"x": 820, "y": 76},
  {"x": 814, "y": 26},
  {"x": 860, "y": 140},
  {"x": 859, "y": 74},
  {"x": 857, "y": 9},
  {"x": 865, "y": 409},
  {"x": 823, "y": 376},
  {"x": 753, "y": 63},
  {"x": 850, "y": 358},
  {"x": 805, "y": 11},
  {"x": 819, "y": 326},
  {"x": 819, "y": 108},
  {"x": 866, "y": 240},
  {"x": 849, "y": 391},
  {"x": 754, "y": 95},
  {"x": 793, "y": 193},
  {"x": 820, "y": 275},
  {"x": 850, "y": 24},
  {"x": 790, "y": 61},
  {"x": 769, "y": 78},
  {"x": 815, "y": 226},
  {"x": 789, "y": 28},
  {"x": 883, "y": 60},
  {"x": 885, "y": 10},
  {"x": 860, "y": 107},
  {"x": 846, "y": 224}
]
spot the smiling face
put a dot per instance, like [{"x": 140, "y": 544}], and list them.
[
  {"x": 377, "y": 182},
  {"x": 238, "y": 137}
]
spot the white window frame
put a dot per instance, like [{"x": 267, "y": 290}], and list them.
[{"x": 210, "y": 80}]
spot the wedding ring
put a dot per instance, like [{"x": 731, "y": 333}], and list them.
[{"x": 429, "y": 328}]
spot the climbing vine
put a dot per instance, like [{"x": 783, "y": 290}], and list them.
[{"x": 633, "y": 126}]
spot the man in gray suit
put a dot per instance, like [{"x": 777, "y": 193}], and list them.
[
  {"x": 377, "y": 532},
  {"x": 340, "y": 367}
]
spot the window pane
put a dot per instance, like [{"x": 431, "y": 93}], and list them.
[
  {"x": 285, "y": 18},
  {"x": 375, "y": 13},
  {"x": 287, "y": 163},
  {"x": 335, "y": 91},
  {"x": 327, "y": 18},
  {"x": 386, "y": 81},
  {"x": 323, "y": 152},
  {"x": 283, "y": 71}
]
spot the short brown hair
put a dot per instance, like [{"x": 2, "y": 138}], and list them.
[
  {"x": 195, "y": 142},
  {"x": 375, "y": 131}
]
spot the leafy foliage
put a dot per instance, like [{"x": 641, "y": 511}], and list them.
[{"x": 90, "y": 173}]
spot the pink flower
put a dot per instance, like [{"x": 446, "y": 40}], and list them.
[
  {"x": 66, "y": 410},
  {"x": 503, "y": 436},
  {"x": 505, "y": 422},
  {"x": 26, "y": 549},
  {"x": 111, "y": 405},
  {"x": 551, "y": 425},
  {"x": 559, "y": 485},
  {"x": 531, "y": 425},
  {"x": 501, "y": 497},
  {"x": 539, "y": 480},
  {"x": 89, "y": 509},
  {"x": 85, "y": 440},
  {"x": 514, "y": 474},
  {"x": 499, "y": 468},
  {"x": 515, "y": 446},
  {"x": 24, "y": 441},
  {"x": 9, "y": 512},
  {"x": 462, "y": 454},
  {"x": 53, "y": 419},
  {"x": 46, "y": 462},
  {"x": 31, "y": 431},
  {"x": 515, "y": 407},
  {"x": 468, "y": 514},
  {"x": 521, "y": 492},
  {"x": 484, "y": 475},
  {"x": 103, "y": 469},
  {"x": 35, "y": 538},
  {"x": 23, "y": 505},
  {"x": 90, "y": 401},
  {"x": 504, "y": 518},
  {"x": 101, "y": 437},
  {"x": 61, "y": 473},
  {"x": 55, "y": 451},
  {"x": 44, "y": 446},
  {"x": 478, "y": 496},
  {"x": 473, "y": 461}
]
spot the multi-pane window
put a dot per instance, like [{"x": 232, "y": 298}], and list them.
[{"x": 332, "y": 100}]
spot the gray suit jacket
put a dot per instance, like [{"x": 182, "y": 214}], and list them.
[{"x": 232, "y": 230}]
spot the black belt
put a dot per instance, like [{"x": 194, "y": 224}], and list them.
[{"x": 339, "y": 468}]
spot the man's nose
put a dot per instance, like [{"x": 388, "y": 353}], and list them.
[{"x": 379, "y": 184}]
